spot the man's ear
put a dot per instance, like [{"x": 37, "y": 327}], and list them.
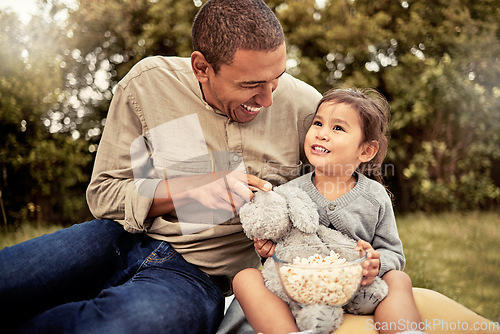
[
  {"x": 369, "y": 150},
  {"x": 200, "y": 66}
]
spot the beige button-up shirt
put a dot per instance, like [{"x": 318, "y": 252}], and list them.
[{"x": 159, "y": 126}]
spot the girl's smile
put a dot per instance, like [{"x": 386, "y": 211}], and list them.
[{"x": 318, "y": 149}]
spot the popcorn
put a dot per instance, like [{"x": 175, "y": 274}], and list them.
[{"x": 320, "y": 280}]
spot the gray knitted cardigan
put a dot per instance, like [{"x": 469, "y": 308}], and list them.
[{"x": 365, "y": 212}]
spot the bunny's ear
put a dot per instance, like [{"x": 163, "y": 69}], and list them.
[
  {"x": 266, "y": 216},
  {"x": 302, "y": 210}
]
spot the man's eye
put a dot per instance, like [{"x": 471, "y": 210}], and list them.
[{"x": 251, "y": 87}]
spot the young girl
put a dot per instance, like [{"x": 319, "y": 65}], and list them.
[{"x": 346, "y": 144}]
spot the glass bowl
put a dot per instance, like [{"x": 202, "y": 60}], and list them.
[{"x": 320, "y": 274}]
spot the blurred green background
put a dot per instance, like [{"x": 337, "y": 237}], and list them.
[{"x": 437, "y": 62}]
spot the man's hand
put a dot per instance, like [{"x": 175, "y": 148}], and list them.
[
  {"x": 229, "y": 190},
  {"x": 225, "y": 190},
  {"x": 265, "y": 248},
  {"x": 371, "y": 265}
]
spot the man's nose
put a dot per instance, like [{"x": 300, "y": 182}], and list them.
[{"x": 265, "y": 95}]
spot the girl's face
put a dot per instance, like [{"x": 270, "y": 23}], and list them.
[{"x": 334, "y": 143}]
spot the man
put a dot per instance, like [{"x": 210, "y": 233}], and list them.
[{"x": 186, "y": 142}]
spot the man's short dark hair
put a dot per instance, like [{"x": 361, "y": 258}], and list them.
[{"x": 222, "y": 27}]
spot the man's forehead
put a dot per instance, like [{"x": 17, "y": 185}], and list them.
[{"x": 252, "y": 67}]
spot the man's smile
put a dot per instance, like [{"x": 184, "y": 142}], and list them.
[{"x": 250, "y": 109}]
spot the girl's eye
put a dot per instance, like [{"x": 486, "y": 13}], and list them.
[
  {"x": 317, "y": 123},
  {"x": 338, "y": 128}
]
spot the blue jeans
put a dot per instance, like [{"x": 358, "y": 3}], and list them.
[{"x": 95, "y": 277}]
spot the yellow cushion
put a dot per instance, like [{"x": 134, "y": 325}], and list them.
[{"x": 439, "y": 313}]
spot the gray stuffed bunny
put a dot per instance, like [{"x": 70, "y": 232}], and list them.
[{"x": 288, "y": 216}]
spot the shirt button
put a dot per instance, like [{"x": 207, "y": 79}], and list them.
[
  {"x": 331, "y": 207},
  {"x": 236, "y": 158}
]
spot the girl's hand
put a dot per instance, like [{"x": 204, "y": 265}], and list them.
[
  {"x": 371, "y": 265},
  {"x": 265, "y": 248}
]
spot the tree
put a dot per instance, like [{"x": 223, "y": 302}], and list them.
[
  {"x": 41, "y": 168},
  {"x": 437, "y": 63},
  {"x": 53, "y": 106}
]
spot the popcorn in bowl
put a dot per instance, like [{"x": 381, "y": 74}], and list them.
[{"x": 330, "y": 275}]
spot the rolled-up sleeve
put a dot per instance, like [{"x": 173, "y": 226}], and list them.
[{"x": 123, "y": 183}]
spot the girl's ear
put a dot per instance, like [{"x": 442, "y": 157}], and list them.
[
  {"x": 369, "y": 150},
  {"x": 200, "y": 66}
]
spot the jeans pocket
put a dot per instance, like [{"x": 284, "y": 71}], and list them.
[{"x": 163, "y": 253}]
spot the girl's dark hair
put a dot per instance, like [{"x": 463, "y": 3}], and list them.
[{"x": 374, "y": 111}]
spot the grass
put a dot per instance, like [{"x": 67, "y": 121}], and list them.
[
  {"x": 10, "y": 237},
  {"x": 456, "y": 254}
]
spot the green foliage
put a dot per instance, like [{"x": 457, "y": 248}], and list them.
[
  {"x": 42, "y": 171},
  {"x": 438, "y": 63},
  {"x": 453, "y": 135}
]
